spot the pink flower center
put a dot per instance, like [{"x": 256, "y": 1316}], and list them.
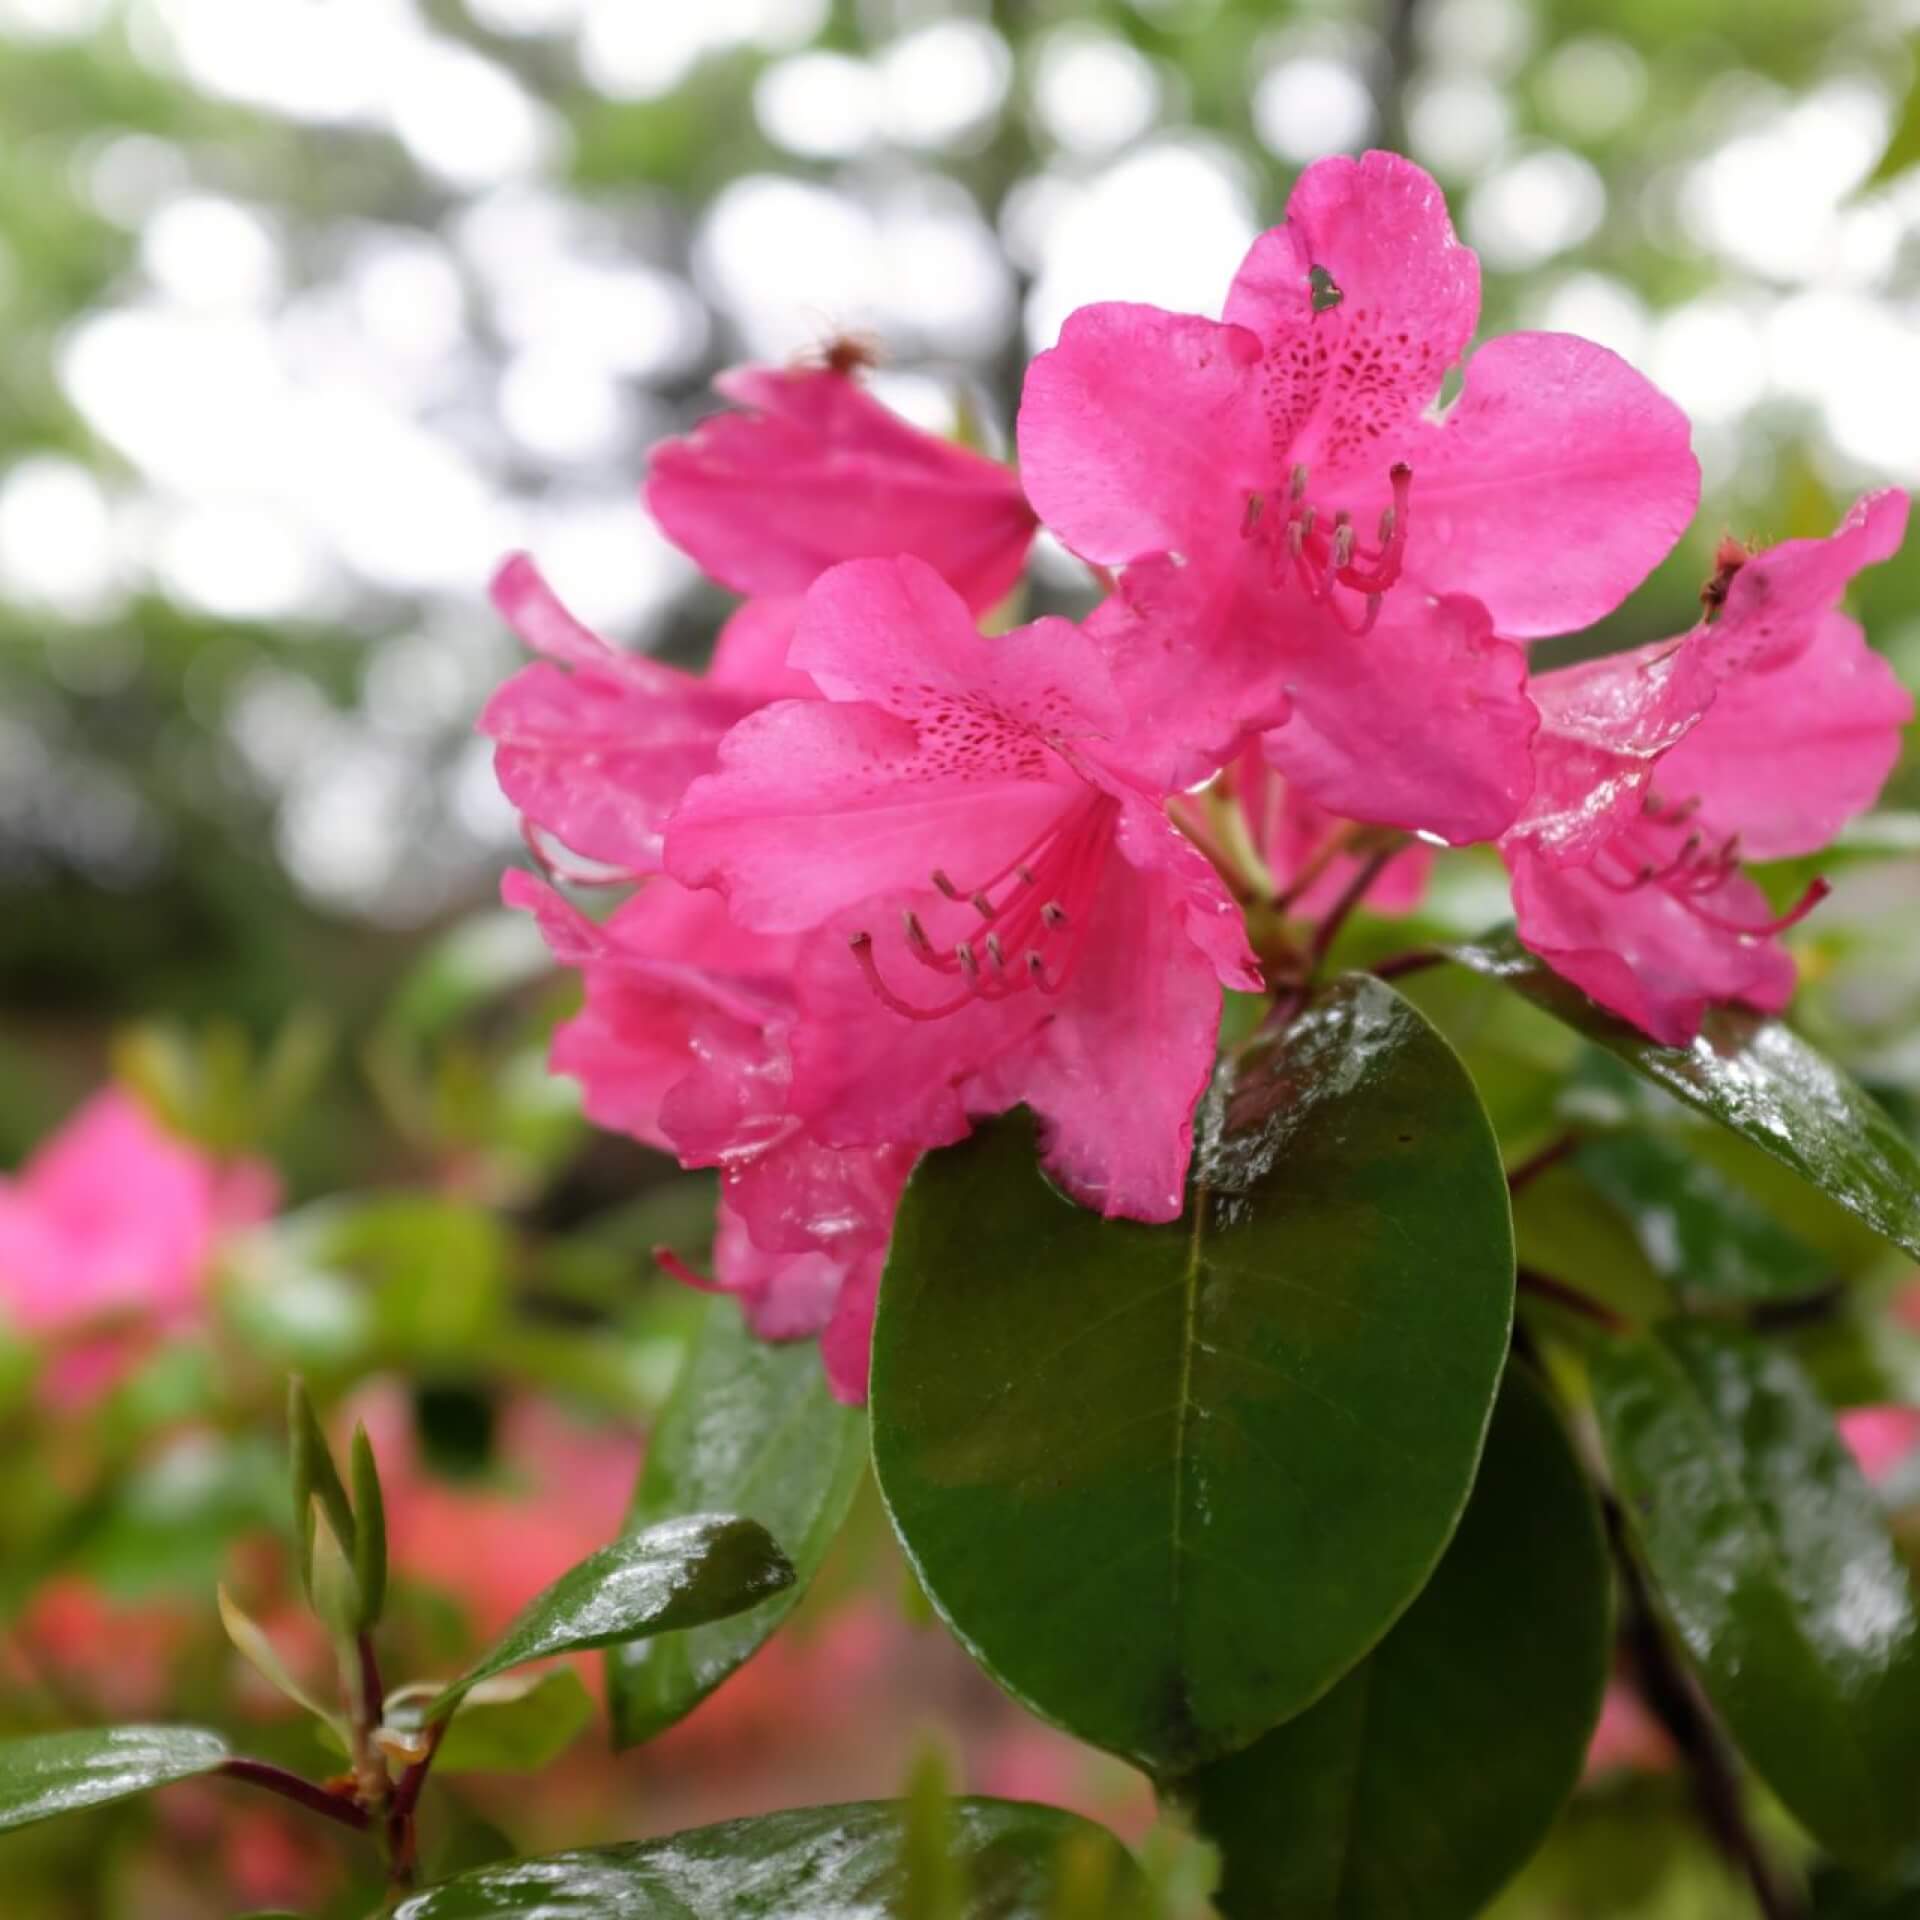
[
  {"x": 1694, "y": 873},
  {"x": 1028, "y": 922},
  {"x": 1322, "y": 552}
]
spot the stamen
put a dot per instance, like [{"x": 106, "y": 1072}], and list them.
[
  {"x": 1817, "y": 890},
  {"x": 670, "y": 1262}
]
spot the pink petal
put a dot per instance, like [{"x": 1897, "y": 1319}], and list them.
[
  {"x": 1424, "y": 723},
  {"x": 892, "y": 632},
  {"x": 658, "y": 1014},
  {"x": 1196, "y": 654},
  {"x": 1604, "y": 726},
  {"x": 1551, "y": 488},
  {"x": 599, "y": 753},
  {"x": 751, "y": 654},
  {"x": 846, "y": 1347},
  {"x": 1786, "y": 758},
  {"x": 1141, "y": 432},
  {"x": 865, "y": 1075},
  {"x": 815, "y": 472},
  {"x": 1775, "y": 601},
  {"x": 817, "y": 807},
  {"x": 1341, "y": 385},
  {"x": 785, "y": 1296},
  {"x": 1123, "y": 1064},
  {"x": 1640, "y": 952}
]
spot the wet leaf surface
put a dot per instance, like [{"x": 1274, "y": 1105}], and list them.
[
  {"x": 1169, "y": 1483},
  {"x": 54, "y": 1773},
  {"x": 750, "y": 1429},
  {"x": 1770, "y": 1553},
  {"x": 816, "y": 1863},
  {"x": 1756, "y": 1076},
  {"x": 1433, "y": 1771}
]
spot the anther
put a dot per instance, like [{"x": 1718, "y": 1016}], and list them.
[
  {"x": 994, "y": 953},
  {"x": 1251, "y": 519},
  {"x": 1342, "y": 544},
  {"x": 916, "y": 933},
  {"x": 946, "y": 886},
  {"x": 1026, "y": 874},
  {"x": 963, "y": 952},
  {"x": 1054, "y": 914},
  {"x": 1297, "y": 482},
  {"x": 984, "y": 907}
]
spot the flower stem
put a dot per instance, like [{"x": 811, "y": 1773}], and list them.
[
  {"x": 1351, "y": 895},
  {"x": 1546, "y": 1287},
  {"x": 1549, "y": 1157},
  {"x": 1416, "y": 960},
  {"x": 290, "y": 1786},
  {"x": 403, "y": 1843}
]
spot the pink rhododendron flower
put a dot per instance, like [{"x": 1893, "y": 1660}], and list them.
[
  {"x": 1757, "y": 734},
  {"x": 814, "y": 471},
  {"x": 115, "y": 1224},
  {"x": 1287, "y": 459},
  {"x": 595, "y": 745},
  {"x": 1009, "y": 914},
  {"x": 683, "y": 1042}
]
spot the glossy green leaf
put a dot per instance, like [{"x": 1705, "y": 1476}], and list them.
[
  {"x": 1698, "y": 1228},
  {"x": 681, "y": 1573},
  {"x": 1431, "y": 1773},
  {"x": 1756, "y": 1076},
  {"x": 816, "y": 1863},
  {"x": 370, "y": 1532},
  {"x": 516, "y": 1723},
  {"x": 752, "y": 1429},
  {"x": 53, "y": 1773},
  {"x": 1169, "y": 1483},
  {"x": 1770, "y": 1553}
]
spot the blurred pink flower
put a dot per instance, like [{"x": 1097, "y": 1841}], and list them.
[
  {"x": 1628, "y": 1737},
  {"x": 115, "y": 1224},
  {"x": 1880, "y": 1438}
]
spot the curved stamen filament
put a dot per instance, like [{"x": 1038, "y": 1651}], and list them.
[
  {"x": 1321, "y": 559},
  {"x": 1696, "y": 872},
  {"x": 1037, "y": 928}
]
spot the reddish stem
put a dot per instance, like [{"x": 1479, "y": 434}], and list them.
[{"x": 290, "y": 1786}]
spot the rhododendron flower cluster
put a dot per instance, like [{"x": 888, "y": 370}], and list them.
[
  {"x": 110, "y": 1232},
  {"x": 893, "y": 871}
]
